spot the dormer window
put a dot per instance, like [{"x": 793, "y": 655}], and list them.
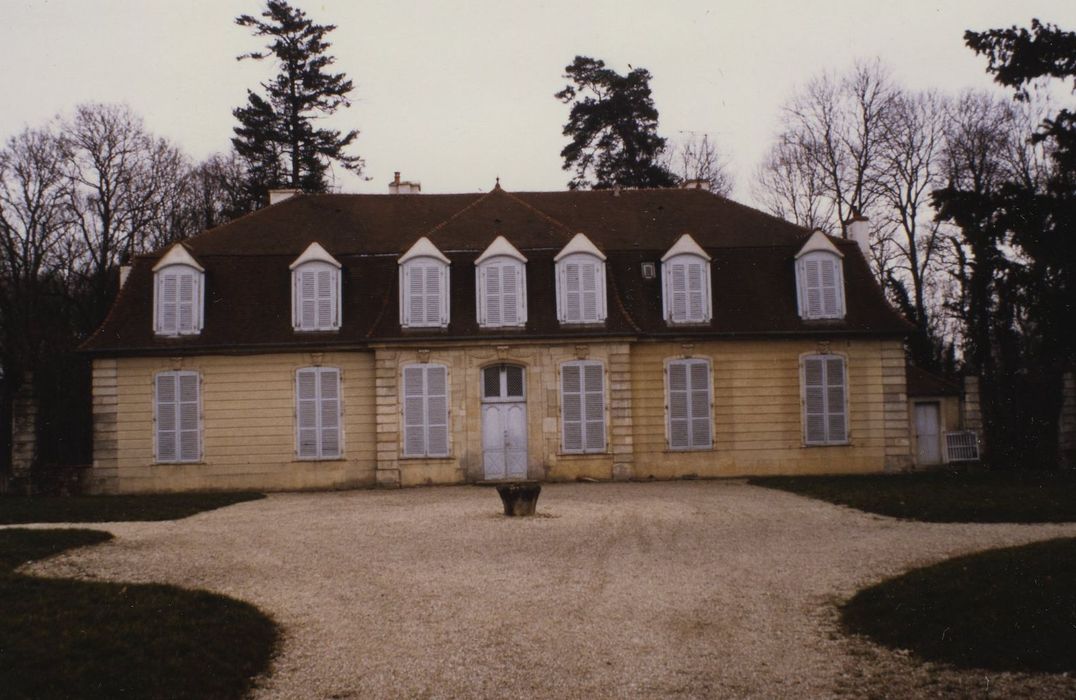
[
  {"x": 685, "y": 276},
  {"x": 820, "y": 279},
  {"x": 315, "y": 291},
  {"x": 423, "y": 286},
  {"x": 178, "y": 293},
  {"x": 501, "y": 286},
  {"x": 580, "y": 282}
]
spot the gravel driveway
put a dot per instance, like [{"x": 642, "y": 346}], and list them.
[{"x": 709, "y": 588}]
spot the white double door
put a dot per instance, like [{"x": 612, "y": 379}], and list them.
[
  {"x": 504, "y": 423},
  {"x": 927, "y": 433}
]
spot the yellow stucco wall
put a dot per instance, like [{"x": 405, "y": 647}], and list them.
[
  {"x": 757, "y": 409},
  {"x": 248, "y": 418},
  {"x": 249, "y": 436}
]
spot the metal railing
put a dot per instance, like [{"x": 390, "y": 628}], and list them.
[{"x": 962, "y": 446}]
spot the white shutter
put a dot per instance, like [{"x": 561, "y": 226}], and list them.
[
  {"x": 306, "y": 412},
  {"x": 329, "y": 414},
  {"x": 492, "y": 275},
  {"x": 178, "y": 412},
  {"x": 167, "y": 448},
  {"x": 589, "y": 292},
  {"x": 814, "y": 400},
  {"x": 821, "y": 286},
  {"x": 829, "y": 287},
  {"x": 510, "y": 297},
  {"x": 414, "y": 290},
  {"x": 167, "y": 298},
  {"x": 678, "y": 292},
  {"x": 434, "y": 278},
  {"x": 594, "y": 407},
  {"x": 696, "y": 292},
  {"x": 436, "y": 411},
  {"x": 185, "y": 302},
  {"x": 699, "y": 401},
  {"x": 307, "y": 300},
  {"x": 836, "y": 429},
  {"x": 324, "y": 300},
  {"x": 689, "y": 404},
  {"x": 572, "y": 292},
  {"x": 679, "y": 406},
  {"x": 425, "y": 411},
  {"x": 571, "y": 406},
  {"x": 814, "y": 288}
]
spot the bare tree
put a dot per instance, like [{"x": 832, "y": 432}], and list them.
[
  {"x": 788, "y": 188},
  {"x": 698, "y": 159}
]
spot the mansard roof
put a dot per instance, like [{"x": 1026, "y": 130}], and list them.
[{"x": 247, "y": 290}]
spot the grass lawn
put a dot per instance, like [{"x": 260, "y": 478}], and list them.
[
  {"x": 1010, "y": 609},
  {"x": 103, "y": 509},
  {"x": 945, "y": 497},
  {"x": 62, "y": 638}
]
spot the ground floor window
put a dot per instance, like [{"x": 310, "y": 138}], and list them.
[
  {"x": 425, "y": 410},
  {"x": 582, "y": 401},
  {"x": 687, "y": 403},
  {"x": 178, "y": 417},
  {"x": 317, "y": 413},
  {"x": 825, "y": 413}
]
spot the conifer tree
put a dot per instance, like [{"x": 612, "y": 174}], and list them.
[{"x": 276, "y": 134}]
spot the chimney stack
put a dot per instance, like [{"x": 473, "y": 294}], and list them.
[
  {"x": 398, "y": 186},
  {"x": 276, "y": 196},
  {"x": 859, "y": 230}
]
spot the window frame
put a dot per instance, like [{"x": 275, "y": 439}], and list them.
[
  {"x": 686, "y": 258},
  {"x": 177, "y": 374},
  {"x": 600, "y": 303},
  {"x": 335, "y": 293},
  {"x": 176, "y": 270},
  {"x": 502, "y": 378},
  {"x": 688, "y": 362},
  {"x": 406, "y": 271},
  {"x": 846, "y": 405},
  {"x": 803, "y": 289},
  {"x": 426, "y": 424},
  {"x": 481, "y": 296},
  {"x": 319, "y": 412},
  {"x": 583, "y": 449}
]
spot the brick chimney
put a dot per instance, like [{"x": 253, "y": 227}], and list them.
[{"x": 398, "y": 186}]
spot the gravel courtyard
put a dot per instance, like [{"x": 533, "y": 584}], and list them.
[{"x": 696, "y": 589}]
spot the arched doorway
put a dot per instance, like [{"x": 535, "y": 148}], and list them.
[{"x": 504, "y": 422}]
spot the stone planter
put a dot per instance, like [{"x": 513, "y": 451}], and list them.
[{"x": 519, "y": 497}]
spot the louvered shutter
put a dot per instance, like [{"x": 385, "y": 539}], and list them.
[
  {"x": 678, "y": 292},
  {"x": 679, "y": 406},
  {"x": 814, "y": 399},
  {"x": 168, "y": 296},
  {"x": 836, "y": 427},
  {"x": 414, "y": 385},
  {"x": 571, "y": 402},
  {"x": 436, "y": 410},
  {"x": 572, "y": 292},
  {"x": 492, "y": 275},
  {"x": 510, "y": 294},
  {"x": 415, "y": 290},
  {"x": 189, "y": 433},
  {"x": 699, "y": 374},
  {"x": 307, "y": 299},
  {"x": 306, "y": 412},
  {"x": 828, "y": 283},
  {"x": 589, "y": 292},
  {"x": 434, "y": 284},
  {"x": 325, "y": 304},
  {"x": 329, "y": 415},
  {"x": 185, "y": 302},
  {"x": 167, "y": 439},
  {"x": 594, "y": 407},
  {"x": 813, "y": 269},
  {"x": 696, "y": 292}
]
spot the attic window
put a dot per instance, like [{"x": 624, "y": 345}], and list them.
[
  {"x": 820, "y": 279},
  {"x": 315, "y": 291},
  {"x": 686, "y": 283},
  {"x": 501, "y": 284},
  {"x": 424, "y": 286},
  {"x": 580, "y": 268},
  {"x": 178, "y": 293}
]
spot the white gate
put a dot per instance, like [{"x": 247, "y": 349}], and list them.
[{"x": 504, "y": 423}]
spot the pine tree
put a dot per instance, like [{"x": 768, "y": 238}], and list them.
[
  {"x": 276, "y": 135},
  {"x": 613, "y": 128}
]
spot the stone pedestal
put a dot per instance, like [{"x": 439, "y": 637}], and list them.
[{"x": 519, "y": 497}]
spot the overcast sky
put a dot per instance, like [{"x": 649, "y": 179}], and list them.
[{"x": 457, "y": 93}]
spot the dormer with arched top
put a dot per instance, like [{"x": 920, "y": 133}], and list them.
[
  {"x": 178, "y": 293},
  {"x": 315, "y": 290},
  {"x": 580, "y": 270},
  {"x": 685, "y": 277},
  {"x": 424, "y": 286},
  {"x": 501, "y": 285},
  {"x": 820, "y": 279}
]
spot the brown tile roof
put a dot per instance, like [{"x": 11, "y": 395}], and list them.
[
  {"x": 248, "y": 292},
  {"x": 924, "y": 383}
]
